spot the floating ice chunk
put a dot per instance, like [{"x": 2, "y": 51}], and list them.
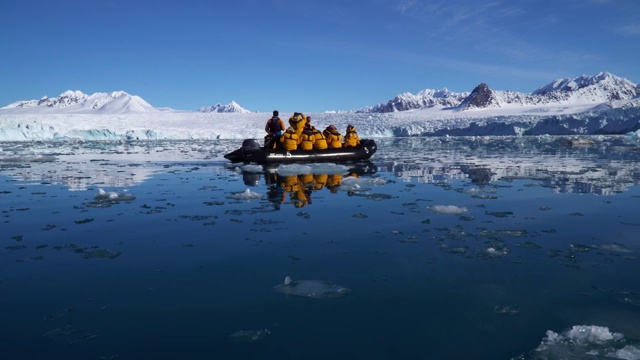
[
  {"x": 106, "y": 195},
  {"x": 448, "y": 209},
  {"x": 507, "y": 310},
  {"x": 352, "y": 180},
  {"x": 294, "y": 169},
  {"x": 627, "y": 353},
  {"x": 112, "y": 196},
  {"x": 315, "y": 289},
  {"x": 246, "y": 195},
  {"x": 614, "y": 247},
  {"x": 328, "y": 168},
  {"x": 580, "y": 335},
  {"x": 584, "y": 342},
  {"x": 353, "y": 187},
  {"x": 253, "y": 168},
  {"x": 492, "y": 251},
  {"x": 249, "y": 335},
  {"x": 583, "y": 334}
]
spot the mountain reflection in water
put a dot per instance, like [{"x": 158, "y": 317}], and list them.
[
  {"x": 603, "y": 165},
  {"x": 599, "y": 165}
]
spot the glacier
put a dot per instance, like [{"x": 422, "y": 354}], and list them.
[{"x": 422, "y": 122}]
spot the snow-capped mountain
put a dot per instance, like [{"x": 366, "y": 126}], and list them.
[
  {"x": 116, "y": 102},
  {"x": 601, "y": 88},
  {"x": 481, "y": 97},
  {"x": 424, "y": 99},
  {"x": 231, "y": 107}
]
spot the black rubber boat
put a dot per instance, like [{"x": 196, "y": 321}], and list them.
[{"x": 251, "y": 151}]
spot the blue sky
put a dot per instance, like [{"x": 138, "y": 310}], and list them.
[{"x": 307, "y": 55}]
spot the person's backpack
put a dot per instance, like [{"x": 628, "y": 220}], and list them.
[{"x": 274, "y": 126}]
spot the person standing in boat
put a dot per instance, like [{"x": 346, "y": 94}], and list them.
[
  {"x": 351, "y": 137},
  {"x": 297, "y": 122},
  {"x": 274, "y": 128},
  {"x": 332, "y": 137}
]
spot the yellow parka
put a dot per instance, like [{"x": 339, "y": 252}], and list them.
[
  {"x": 351, "y": 137},
  {"x": 290, "y": 183},
  {"x": 289, "y": 140},
  {"x": 333, "y": 138},
  {"x": 297, "y": 122},
  {"x": 319, "y": 141},
  {"x": 320, "y": 181},
  {"x": 301, "y": 198},
  {"x": 307, "y": 180},
  {"x": 333, "y": 182},
  {"x": 306, "y": 139}
]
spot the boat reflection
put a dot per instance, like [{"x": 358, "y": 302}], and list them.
[{"x": 298, "y": 188}]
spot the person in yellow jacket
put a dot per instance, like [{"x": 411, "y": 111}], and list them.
[
  {"x": 333, "y": 182},
  {"x": 289, "y": 140},
  {"x": 320, "y": 180},
  {"x": 351, "y": 137},
  {"x": 306, "y": 138},
  {"x": 319, "y": 141},
  {"x": 297, "y": 122},
  {"x": 301, "y": 198},
  {"x": 333, "y": 137}
]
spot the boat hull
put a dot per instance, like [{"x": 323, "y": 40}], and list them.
[{"x": 251, "y": 152}]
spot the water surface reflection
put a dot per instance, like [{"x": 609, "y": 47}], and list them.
[{"x": 489, "y": 248}]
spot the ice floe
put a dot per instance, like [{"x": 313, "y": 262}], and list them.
[
  {"x": 246, "y": 195},
  {"x": 585, "y": 342},
  {"x": 249, "y": 335},
  {"x": 315, "y": 289},
  {"x": 448, "y": 209}
]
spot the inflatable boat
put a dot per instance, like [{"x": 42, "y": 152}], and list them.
[{"x": 251, "y": 151}]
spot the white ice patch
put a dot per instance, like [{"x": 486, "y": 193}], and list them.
[
  {"x": 312, "y": 168},
  {"x": 351, "y": 181},
  {"x": 448, "y": 209},
  {"x": 328, "y": 168},
  {"x": 252, "y": 168},
  {"x": 583, "y": 334},
  {"x": 585, "y": 342},
  {"x": 246, "y": 195},
  {"x": 294, "y": 169},
  {"x": 614, "y": 247},
  {"x": 491, "y": 251},
  {"x": 112, "y": 195},
  {"x": 627, "y": 353},
  {"x": 352, "y": 187}
]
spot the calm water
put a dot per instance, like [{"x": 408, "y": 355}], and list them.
[{"x": 493, "y": 248}]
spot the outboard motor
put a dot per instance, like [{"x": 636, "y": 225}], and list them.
[{"x": 250, "y": 146}]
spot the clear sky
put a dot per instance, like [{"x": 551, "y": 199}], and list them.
[{"x": 307, "y": 55}]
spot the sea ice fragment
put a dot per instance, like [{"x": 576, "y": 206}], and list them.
[{"x": 315, "y": 289}]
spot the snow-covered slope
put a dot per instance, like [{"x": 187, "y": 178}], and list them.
[
  {"x": 424, "y": 99},
  {"x": 117, "y": 102},
  {"x": 599, "y": 88},
  {"x": 231, "y": 107}
]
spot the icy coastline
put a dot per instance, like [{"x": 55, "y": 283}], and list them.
[{"x": 210, "y": 126}]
